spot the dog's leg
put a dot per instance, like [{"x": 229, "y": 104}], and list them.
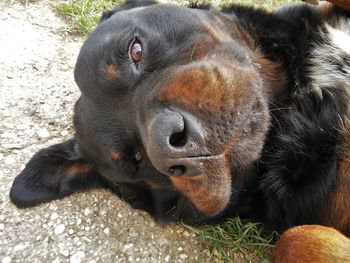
[{"x": 311, "y": 243}]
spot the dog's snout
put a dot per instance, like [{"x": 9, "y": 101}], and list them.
[{"x": 174, "y": 141}]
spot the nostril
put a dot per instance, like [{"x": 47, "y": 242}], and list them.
[
  {"x": 178, "y": 139},
  {"x": 177, "y": 170}
]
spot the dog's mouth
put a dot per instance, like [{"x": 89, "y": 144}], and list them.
[{"x": 210, "y": 189}]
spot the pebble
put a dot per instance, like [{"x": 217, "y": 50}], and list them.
[
  {"x": 64, "y": 252},
  {"x": 186, "y": 234},
  {"x": 43, "y": 134},
  {"x": 106, "y": 231},
  {"x": 133, "y": 232},
  {"x": 10, "y": 160},
  {"x": 167, "y": 258},
  {"x": 6, "y": 259},
  {"x": 2, "y": 226},
  {"x": 127, "y": 247},
  {"x": 183, "y": 256},
  {"x": 59, "y": 229},
  {"x": 30, "y": 110},
  {"x": 77, "y": 257},
  {"x": 64, "y": 133},
  {"x": 87, "y": 211},
  {"x": 54, "y": 216}
]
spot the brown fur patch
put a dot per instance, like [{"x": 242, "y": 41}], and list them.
[
  {"x": 338, "y": 215},
  {"x": 78, "y": 169},
  {"x": 111, "y": 72},
  {"x": 199, "y": 189},
  {"x": 311, "y": 243},
  {"x": 274, "y": 79},
  {"x": 326, "y": 7},
  {"x": 210, "y": 86},
  {"x": 116, "y": 155},
  {"x": 153, "y": 184}
]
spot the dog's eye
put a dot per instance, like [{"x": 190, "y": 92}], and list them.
[{"x": 136, "y": 51}]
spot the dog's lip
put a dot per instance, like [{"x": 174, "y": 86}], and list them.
[{"x": 194, "y": 165}]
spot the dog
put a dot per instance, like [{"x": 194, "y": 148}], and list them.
[{"x": 198, "y": 114}]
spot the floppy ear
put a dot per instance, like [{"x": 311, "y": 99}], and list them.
[
  {"x": 53, "y": 173},
  {"x": 130, "y": 4}
]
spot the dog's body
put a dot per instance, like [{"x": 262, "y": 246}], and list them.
[{"x": 197, "y": 114}]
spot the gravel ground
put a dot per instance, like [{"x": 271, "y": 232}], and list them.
[{"x": 36, "y": 100}]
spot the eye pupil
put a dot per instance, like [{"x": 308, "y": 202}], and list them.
[{"x": 136, "y": 51}]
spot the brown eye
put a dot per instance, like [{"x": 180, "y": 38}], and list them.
[{"x": 136, "y": 51}]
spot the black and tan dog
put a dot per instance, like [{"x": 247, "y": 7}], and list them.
[{"x": 198, "y": 114}]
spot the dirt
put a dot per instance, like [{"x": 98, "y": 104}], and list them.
[{"x": 38, "y": 92}]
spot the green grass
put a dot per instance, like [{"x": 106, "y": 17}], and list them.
[
  {"x": 235, "y": 238},
  {"x": 267, "y": 4},
  {"x": 85, "y": 13}
]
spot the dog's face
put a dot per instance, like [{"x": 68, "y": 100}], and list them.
[{"x": 171, "y": 97}]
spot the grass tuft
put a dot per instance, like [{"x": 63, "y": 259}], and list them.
[
  {"x": 85, "y": 13},
  {"x": 265, "y": 4},
  {"x": 235, "y": 238}
]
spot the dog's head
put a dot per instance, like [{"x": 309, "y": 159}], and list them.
[{"x": 171, "y": 97}]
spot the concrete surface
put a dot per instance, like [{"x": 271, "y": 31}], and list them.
[{"x": 36, "y": 100}]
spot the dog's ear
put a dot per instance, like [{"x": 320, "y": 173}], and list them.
[
  {"x": 53, "y": 173},
  {"x": 130, "y": 4}
]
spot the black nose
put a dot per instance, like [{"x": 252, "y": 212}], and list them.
[{"x": 174, "y": 143}]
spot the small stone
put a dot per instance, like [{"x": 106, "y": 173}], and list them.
[
  {"x": 30, "y": 110},
  {"x": 2, "y": 226},
  {"x": 19, "y": 247},
  {"x": 78, "y": 221},
  {"x": 64, "y": 252},
  {"x": 167, "y": 258},
  {"x": 186, "y": 234},
  {"x": 127, "y": 247},
  {"x": 106, "y": 231},
  {"x": 6, "y": 259},
  {"x": 119, "y": 215},
  {"x": 102, "y": 212},
  {"x": 87, "y": 211},
  {"x": 59, "y": 229},
  {"x": 133, "y": 232},
  {"x": 71, "y": 231},
  {"x": 10, "y": 160},
  {"x": 54, "y": 216},
  {"x": 180, "y": 249},
  {"x": 77, "y": 257},
  {"x": 43, "y": 134},
  {"x": 183, "y": 256},
  {"x": 64, "y": 133}
]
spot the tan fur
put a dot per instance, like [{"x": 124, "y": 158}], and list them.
[
  {"x": 209, "y": 86},
  {"x": 311, "y": 244},
  {"x": 79, "y": 168},
  {"x": 116, "y": 155},
  {"x": 209, "y": 192},
  {"x": 111, "y": 72}
]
